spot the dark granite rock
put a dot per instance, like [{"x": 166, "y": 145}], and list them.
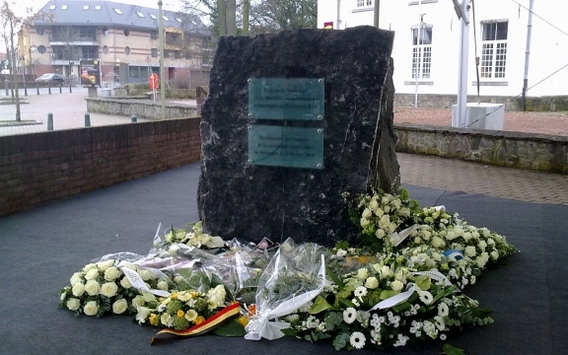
[{"x": 249, "y": 202}]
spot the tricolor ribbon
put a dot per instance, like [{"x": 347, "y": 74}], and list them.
[{"x": 209, "y": 324}]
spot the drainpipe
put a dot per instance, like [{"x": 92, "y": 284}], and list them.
[
  {"x": 527, "y": 53},
  {"x": 337, "y": 24},
  {"x": 376, "y": 13}
]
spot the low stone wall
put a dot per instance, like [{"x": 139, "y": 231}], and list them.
[
  {"x": 141, "y": 108},
  {"x": 39, "y": 168},
  {"x": 504, "y": 148},
  {"x": 61, "y": 164},
  {"x": 543, "y": 103}
]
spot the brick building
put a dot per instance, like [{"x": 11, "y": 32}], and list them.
[{"x": 123, "y": 37}]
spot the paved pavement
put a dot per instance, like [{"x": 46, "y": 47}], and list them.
[{"x": 69, "y": 109}]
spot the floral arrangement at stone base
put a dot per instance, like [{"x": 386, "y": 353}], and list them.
[{"x": 403, "y": 282}]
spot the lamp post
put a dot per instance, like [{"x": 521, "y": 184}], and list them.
[{"x": 161, "y": 40}]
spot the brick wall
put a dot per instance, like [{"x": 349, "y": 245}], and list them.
[{"x": 39, "y": 168}]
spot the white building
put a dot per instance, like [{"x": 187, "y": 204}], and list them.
[{"x": 427, "y": 40}]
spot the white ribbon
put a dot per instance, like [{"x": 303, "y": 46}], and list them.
[
  {"x": 397, "y": 238},
  {"x": 137, "y": 282},
  {"x": 396, "y": 299},
  {"x": 435, "y": 275},
  {"x": 261, "y": 326},
  {"x": 411, "y": 288}
]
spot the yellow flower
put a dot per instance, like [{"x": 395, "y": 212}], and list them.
[
  {"x": 154, "y": 320},
  {"x": 174, "y": 295},
  {"x": 199, "y": 320},
  {"x": 243, "y": 320},
  {"x": 191, "y": 315},
  {"x": 180, "y": 313}
]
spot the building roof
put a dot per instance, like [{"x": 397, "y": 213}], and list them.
[{"x": 109, "y": 13}]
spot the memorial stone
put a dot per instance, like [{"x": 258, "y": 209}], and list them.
[{"x": 294, "y": 120}]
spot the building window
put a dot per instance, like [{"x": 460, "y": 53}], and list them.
[
  {"x": 421, "y": 51},
  {"x": 89, "y": 52},
  {"x": 177, "y": 55},
  {"x": 363, "y": 3},
  {"x": 41, "y": 49},
  {"x": 127, "y": 32},
  {"x": 153, "y": 35},
  {"x": 105, "y": 49},
  {"x": 154, "y": 52},
  {"x": 494, "y": 49},
  {"x": 40, "y": 31},
  {"x": 127, "y": 50}
]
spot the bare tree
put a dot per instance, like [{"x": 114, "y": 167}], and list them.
[
  {"x": 10, "y": 23},
  {"x": 278, "y": 15},
  {"x": 223, "y": 15}
]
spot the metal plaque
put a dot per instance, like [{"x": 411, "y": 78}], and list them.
[
  {"x": 292, "y": 147},
  {"x": 286, "y": 98}
]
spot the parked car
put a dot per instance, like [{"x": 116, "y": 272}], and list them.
[{"x": 51, "y": 77}]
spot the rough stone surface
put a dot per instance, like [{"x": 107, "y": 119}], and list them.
[{"x": 249, "y": 202}]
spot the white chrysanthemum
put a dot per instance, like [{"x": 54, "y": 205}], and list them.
[
  {"x": 349, "y": 315},
  {"x": 426, "y": 297},
  {"x": 360, "y": 291},
  {"x": 439, "y": 322},
  {"x": 443, "y": 309},
  {"x": 357, "y": 340}
]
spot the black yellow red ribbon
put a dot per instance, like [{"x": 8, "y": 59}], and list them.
[{"x": 232, "y": 310}]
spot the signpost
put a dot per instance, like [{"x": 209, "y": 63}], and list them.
[
  {"x": 154, "y": 83},
  {"x": 90, "y": 72}
]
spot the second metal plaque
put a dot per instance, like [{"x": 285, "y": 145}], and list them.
[{"x": 293, "y": 147}]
